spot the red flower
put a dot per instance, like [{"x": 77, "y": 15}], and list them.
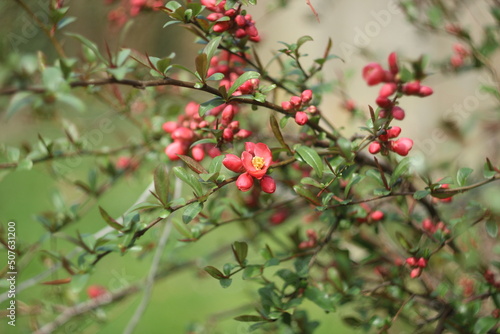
[
  {"x": 254, "y": 163},
  {"x": 256, "y": 159}
]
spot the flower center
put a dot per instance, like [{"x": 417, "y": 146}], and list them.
[{"x": 258, "y": 162}]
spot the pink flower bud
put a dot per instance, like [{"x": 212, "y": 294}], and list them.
[
  {"x": 456, "y": 61},
  {"x": 228, "y": 113},
  {"x": 182, "y": 133},
  {"x": 296, "y": 101},
  {"x": 377, "y": 215},
  {"x": 398, "y": 113},
  {"x": 175, "y": 148},
  {"x": 95, "y": 291},
  {"x": 388, "y": 89},
  {"x": 198, "y": 153},
  {"x": 428, "y": 225},
  {"x": 234, "y": 125},
  {"x": 287, "y": 106},
  {"x": 240, "y": 33},
  {"x": 244, "y": 182},
  {"x": 268, "y": 184},
  {"x": 425, "y": 91},
  {"x": 213, "y": 151},
  {"x": 230, "y": 12},
  {"x": 221, "y": 26},
  {"x": 416, "y": 272},
  {"x": 214, "y": 16},
  {"x": 233, "y": 163},
  {"x": 169, "y": 127},
  {"x": 191, "y": 108},
  {"x": 460, "y": 50},
  {"x": 242, "y": 134},
  {"x": 306, "y": 95},
  {"x": 228, "y": 135},
  {"x": 240, "y": 20},
  {"x": 383, "y": 102},
  {"x": 374, "y": 147},
  {"x": 251, "y": 30},
  {"x": 393, "y": 63},
  {"x": 301, "y": 118},
  {"x": 255, "y": 39},
  {"x": 402, "y": 146},
  {"x": 411, "y": 88},
  {"x": 411, "y": 261},
  {"x": 422, "y": 263},
  {"x": 393, "y": 132},
  {"x": 312, "y": 109},
  {"x": 373, "y": 74}
]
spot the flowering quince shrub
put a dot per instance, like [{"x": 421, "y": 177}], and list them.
[{"x": 347, "y": 222}]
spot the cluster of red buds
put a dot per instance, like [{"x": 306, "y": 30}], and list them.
[
  {"x": 253, "y": 164},
  {"x": 490, "y": 278},
  {"x": 400, "y": 146},
  {"x": 183, "y": 135},
  {"x": 429, "y": 226},
  {"x": 131, "y": 8},
  {"x": 300, "y": 105},
  {"x": 312, "y": 240},
  {"x": 374, "y": 73},
  {"x": 371, "y": 216},
  {"x": 233, "y": 20},
  {"x": 460, "y": 53},
  {"x": 417, "y": 266},
  {"x": 232, "y": 66}
]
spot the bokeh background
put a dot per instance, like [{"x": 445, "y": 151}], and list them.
[{"x": 184, "y": 301}]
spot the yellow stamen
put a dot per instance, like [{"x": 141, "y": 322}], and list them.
[{"x": 258, "y": 162}]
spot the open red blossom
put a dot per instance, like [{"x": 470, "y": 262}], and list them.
[{"x": 256, "y": 159}]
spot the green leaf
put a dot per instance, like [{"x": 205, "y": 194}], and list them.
[
  {"x": 201, "y": 63},
  {"x": 214, "y": 272},
  {"x": 25, "y": 164},
  {"x": 191, "y": 211},
  {"x": 240, "y": 251},
  {"x": 252, "y": 271},
  {"x": 319, "y": 298},
  {"x": 216, "y": 77},
  {"x": 88, "y": 44},
  {"x": 53, "y": 79},
  {"x": 162, "y": 184},
  {"x": 119, "y": 72},
  {"x": 312, "y": 158},
  {"x": 216, "y": 164},
  {"x": 109, "y": 220},
  {"x": 194, "y": 165},
  {"x": 492, "y": 228},
  {"x": 302, "y": 40},
  {"x": 306, "y": 193},
  {"x": 403, "y": 241},
  {"x": 249, "y": 318},
  {"x": 488, "y": 171},
  {"x": 421, "y": 194},
  {"x": 241, "y": 80},
  {"x": 401, "y": 169},
  {"x": 144, "y": 206},
  {"x": 345, "y": 147},
  {"x": 225, "y": 282},
  {"x": 183, "y": 229},
  {"x": 462, "y": 175},
  {"x": 189, "y": 179},
  {"x": 19, "y": 101},
  {"x": 71, "y": 101},
  {"x": 211, "y": 48},
  {"x": 354, "y": 180},
  {"x": 277, "y": 133},
  {"x": 122, "y": 57},
  {"x": 483, "y": 325},
  {"x": 209, "y": 105}
]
